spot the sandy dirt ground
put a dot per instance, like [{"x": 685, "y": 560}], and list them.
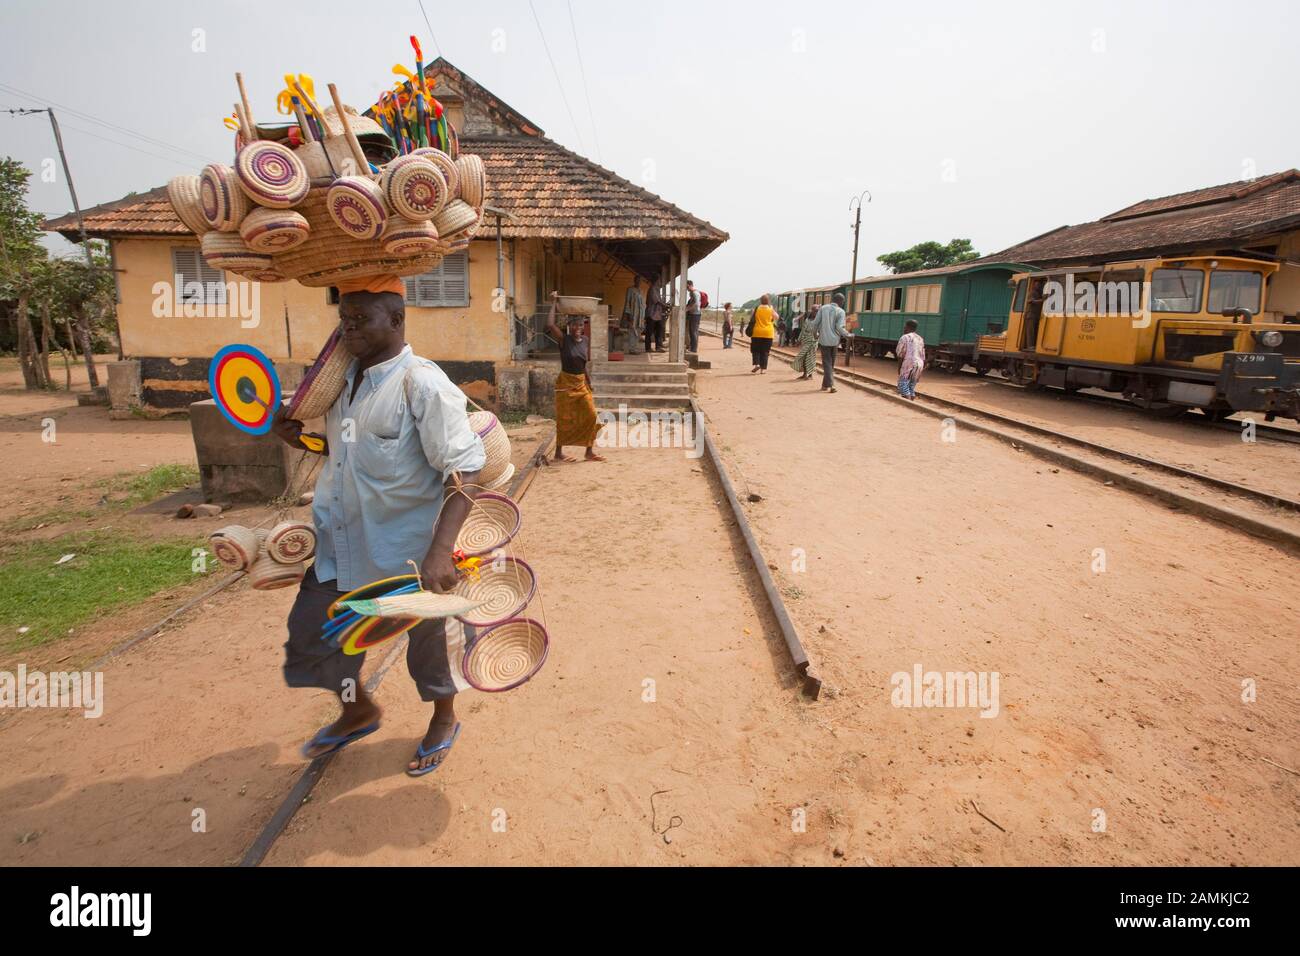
[{"x": 667, "y": 702}]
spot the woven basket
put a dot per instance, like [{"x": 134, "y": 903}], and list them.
[
  {"x": 446, "y": 165},
  {"x": 495, "y": 443},
  {"x": 271, "y": 175},
  {"x": 473, "y": 180},
  {"x": 323, "y": 383},
  {"x": 290, "y": 542},
  {"x": 492, "y": 522},
  {"x": 272, "y": 230},
  {"x": 456, "y": 217},
  {"x": 221, "y": 199},
  {"x": 268, "y": 575},
  {"x": 224, "y": 250},
  {"x": 404, "y": 237},
  {"x": 414, "y": 188},
  {"x": 502, "y": 480},
  {"x": 183, "y": 192},
  {"x": 505, "y": 656},
  {"x": 235, "y": 546},
  {"x": 502, "y": 591},
  {"x": 356, "y": 204}
]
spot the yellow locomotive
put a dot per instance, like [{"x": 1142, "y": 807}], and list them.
[{"x": 1167, "y": 333}]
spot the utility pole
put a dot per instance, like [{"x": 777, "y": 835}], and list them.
[{"x": 854, "y": 204}]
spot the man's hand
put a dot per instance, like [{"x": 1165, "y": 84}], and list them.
[
  {"x": 286, "y": 429},
  {"x": 438, "y": 571}
]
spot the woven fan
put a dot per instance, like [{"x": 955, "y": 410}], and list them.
[{"x": 421, "y": 604}]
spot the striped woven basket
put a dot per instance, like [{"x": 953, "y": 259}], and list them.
[
  {"x": 503, "y": 589},
  {"x": 495, "y": 443},
  {"x": 473, "y": 180},
  {"x": 268, "y": 575},
  {"x": 414, "y": 188},
  {"x": 446, "y": 165},
  {"x": 235, "y": 546},
  {"x": 183, "y": 192},
  {"x": 225, "y": 250},
  {"x": 456, "y": 217},
  {"x": 271, "y": 230},
  {"x": 505, "y": 656},
  {"x": 221, "y": 199},
  {"x": 271, "y": 175},
  {"x": 323, "y": 383},
  {"x": 492, "y": 523}
]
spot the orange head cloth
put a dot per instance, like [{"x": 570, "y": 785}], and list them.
[{"x": 379, "y": 283}]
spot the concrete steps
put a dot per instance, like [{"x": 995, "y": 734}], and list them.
[{"x": 641, "y": 385}]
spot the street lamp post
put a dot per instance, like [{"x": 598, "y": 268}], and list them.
[{"x": 855, "y": 206}]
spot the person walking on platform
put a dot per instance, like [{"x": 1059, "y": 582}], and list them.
[
  {"x": 830, "y": 329},
  {"x": 761, "y": 330},
  {"x": 910, "y": 351}
]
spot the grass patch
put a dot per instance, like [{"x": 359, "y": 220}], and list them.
[
  {"x": 513, "y": 418},
  {"x": 109, "y": 571},
  {"x": 121, "y": 492}
]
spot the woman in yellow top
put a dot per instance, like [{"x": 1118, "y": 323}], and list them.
[{"x": 761, "y": 334}]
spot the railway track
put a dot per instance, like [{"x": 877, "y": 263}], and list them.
[{"x": 1218, "y": 484}]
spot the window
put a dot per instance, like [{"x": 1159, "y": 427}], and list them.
[
  {"x": 897, "y": 304},
  {"x": 923, "y": 298},
  {"x": 1230, "y": 289},
  {"x": 447, "y": 285},
  {"x": 197, "y": 283},
  {"x": 1176, "y": 290},
  {"x": 1021, "y": 288}
]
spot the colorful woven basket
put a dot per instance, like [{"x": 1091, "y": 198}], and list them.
[
  {"x": 502, "y": 591},
  {"x": 224, "y": 250},
  {"x": 183, "y": 192},
  {"x": 496, "y": 444},
  {"x": 290, "y": 542},
  {"x": 221, "y": 199},
  {"x": 406, "y": 237},
  {"x": 414, "y": 187},
  {"x": 456, "y": 217},
  {"x": 235, "y": 546},
  {"x": 492, "y": 523},
  {"x": 271, "y": 175},
  {"x": 505, "y": 656},
  {"x": 268, "y": 575},
  {"x": 323, "y": 383},
  {"x": 473, "y": 180},
  {"x": 356, "y": 204},
  {"x": 271, "y": 230},
  {"x": 446, "y": 165}
]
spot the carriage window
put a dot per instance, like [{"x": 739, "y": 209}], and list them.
[
  {"x": 1234, "y": 290},
  {"x": 1176, "y": 290},
  {"x": 1021, "y": 288}
]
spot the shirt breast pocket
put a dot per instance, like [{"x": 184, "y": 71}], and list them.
[{"x": 378, "y": 457}]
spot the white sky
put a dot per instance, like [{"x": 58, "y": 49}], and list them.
[{"x": 994, "y": 121}]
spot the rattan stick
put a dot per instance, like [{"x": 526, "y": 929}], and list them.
[
  {"x": 243, "y": 98},
  {"x": 353, "y": 143}
]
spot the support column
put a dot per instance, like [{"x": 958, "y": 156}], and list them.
[{"x": 679, "y": 314}]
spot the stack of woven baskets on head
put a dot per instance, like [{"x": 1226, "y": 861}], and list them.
[{"x": 325, "y": 212}]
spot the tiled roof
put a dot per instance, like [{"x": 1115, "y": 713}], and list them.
[
  {"x": 1220, "y": 217},
  {"x": 140, "y": 214}
]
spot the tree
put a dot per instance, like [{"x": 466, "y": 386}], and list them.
[
  {"x": 929, "y": 255},
  {"x": 21, "y": 254}
]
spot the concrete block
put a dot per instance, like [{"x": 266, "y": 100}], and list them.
[
  {"x": 512, "y": 387},
  {"x": 124, "y": 384},
  {"x": 541, "y": 389},
  {"x": 233, "y": 465}
]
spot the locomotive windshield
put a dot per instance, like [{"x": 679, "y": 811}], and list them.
[
  {"x": 1176, "y": 290},
  {"x": 1232, "y": 289}
]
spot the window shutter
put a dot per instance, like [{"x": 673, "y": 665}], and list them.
[
  {"x": 188, "y": 266},
  {"x": 445, "y": 286}
]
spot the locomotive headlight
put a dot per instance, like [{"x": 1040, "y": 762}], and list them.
[{"x": 1270, "y": 338}]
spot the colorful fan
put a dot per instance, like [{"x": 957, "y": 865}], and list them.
[{"x": 243, "y": 382}]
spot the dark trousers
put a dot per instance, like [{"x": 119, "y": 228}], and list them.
[
  {"x": 693, "y": 332},
  {"x": 727, "y": 336},
  {"x": 828, "y": 365},
  {"x": 758, "y": 350},
  {"x": 654, "y": 332},
  {"x": 311, "y": 662}
]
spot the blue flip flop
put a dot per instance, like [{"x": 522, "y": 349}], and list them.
[
  {"x": 421, "y": 753},
  {"x": 336, "y": 743}
]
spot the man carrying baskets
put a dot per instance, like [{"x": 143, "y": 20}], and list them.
[{"x": 399, "y": 448}]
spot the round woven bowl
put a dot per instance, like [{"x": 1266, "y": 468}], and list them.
[
  {"x": 224, "y": 250},
  {"x": 356, "y": 204},
  {"x": 414, "y": 187},
  {"x": 505, "y": 656},
  {"x": 501, "y": 481},
  {"x": 270, "y": 230},
  {"x": 446, "y": 165},
  {"x": 183, "y": 193},
  {"x": 271, "y": 175},
  {"x": 496, "y": 444},
  {"x": 407, "y": 237},
  {"x": 473, "y": 179},
  {"x": 323, "y": 383},
  {"x": 456, "y": 217},
  {"x": 221, "y": 200},
  {"x": 505, "y": 585},
  {"x": 492, "y": 522},
  {"x": 235, "y": 546},
  {"x": 267, "y": 575},
  {"x": 290, "y": 542}
]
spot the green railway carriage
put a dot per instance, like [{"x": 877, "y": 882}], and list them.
[{"x": 952, "y": 306}]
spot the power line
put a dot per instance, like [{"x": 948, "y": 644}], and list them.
[
  {"x": 165, "y": 159},
  {"x": 556, "y": 71},
  {"x": 585, "y": 88},
  {"x": 105, "y": 123},
  {"x": 430, "y": 26}
]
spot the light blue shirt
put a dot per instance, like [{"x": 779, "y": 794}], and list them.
[
  {"x": 390, "y": 452},
  {"x": 829, "y": 325}
]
